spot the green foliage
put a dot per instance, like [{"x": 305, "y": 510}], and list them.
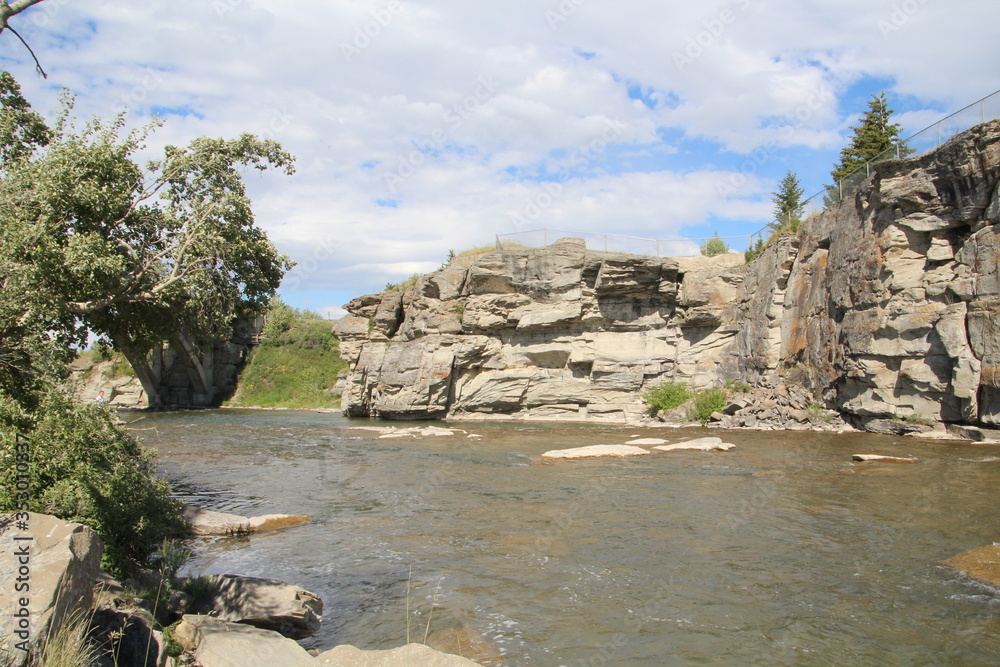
[
  {"x": 788, "y": 204},
  {"x": 706, "y": 402},
  {"x": 737, "y": 387},
  {"x": 754, "y": 251},
  {"x": 714, "y": 246},
  {"x": 873, "y": 137},
  {"x": 293, "y": 369},
  {"x": 666, "y": 396},
  {"x": 87, "y": 469},
  {"x": 409, "y": 282}
]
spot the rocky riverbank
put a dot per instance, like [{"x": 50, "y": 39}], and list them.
[
  {"x": 233, "y": 621},
  {"x": 880, "y": 314}
]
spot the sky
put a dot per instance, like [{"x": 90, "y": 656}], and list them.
[{"x": 424, "y": 126}]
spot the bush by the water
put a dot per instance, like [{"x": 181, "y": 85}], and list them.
[
  {"x": 667, "y": 396},
  {"x": 85, "y": 468},
  {"x": 706, "y": 402}
]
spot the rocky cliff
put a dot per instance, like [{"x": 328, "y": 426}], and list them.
[{"x": 885, "y": 306}]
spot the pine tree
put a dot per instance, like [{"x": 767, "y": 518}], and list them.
[
  {"x": 788, "y": 204},
  {"x": 873, "y": 136}
]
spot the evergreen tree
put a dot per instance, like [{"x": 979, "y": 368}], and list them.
[
  {"x": 873, "y": 136},
  {"x": 788, "y": 203}
]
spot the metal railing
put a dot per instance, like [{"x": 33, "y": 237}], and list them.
[
  {"x": 637, "y": 245},
  {"x": 924, "y": 141}
]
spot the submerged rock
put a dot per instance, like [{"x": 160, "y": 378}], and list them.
[
  {"x": 982, "y": 564},
  {"x": 411, "y": 655},
  {"x": 594, "y": 451}
]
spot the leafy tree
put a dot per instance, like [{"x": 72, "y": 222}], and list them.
[
  {"x": 787, "y": 204},
  {"x": 714, "y": 246},
  {"x": 92, "y": 242},
  {"x": 872, "y": 137}
]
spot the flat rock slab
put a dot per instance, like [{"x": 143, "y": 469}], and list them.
[
  {"x": 207, "y": 522},
  {"x": 594, "y": 451},
  {"x": 647, "y": 441},
  {"x": 883, "y": 459},
  {"x": 64, "y": 561},
  {"x": 411, "y": 655},
  {"x": 410, "y": 432},
  {"x": 698, "y": 444},
  {"x": 218, "y": 643},
  {"x": 264, "y": 603},
  {"x": 982, "y": 563}
]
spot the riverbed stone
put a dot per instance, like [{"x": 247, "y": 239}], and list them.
[
  {"x": 264, "y": 603},
  {"x": 698, "y": 444},
  {"x": 215, "y": 642},
  {"x": 864, "y": 458},
  {"x": 410, "y": 655},
  {"x": 982, "y": 563},
  {"x": 63, "y": 559},
  {"x": 209, "y": 522},
  {"x": 595, "y": 451}
]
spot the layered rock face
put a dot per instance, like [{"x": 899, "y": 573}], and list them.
[
  {"x": 885, "y": 306},
  {"x": 542, "y": 333}
]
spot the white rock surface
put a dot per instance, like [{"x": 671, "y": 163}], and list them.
[
  {"x": 647, "y": 441},
  {"x": 594, "y": 451},
  {"x": 264, "y": 603},
  {"x": 411, "y": 655},
  {"x": 208, "y": 522},
  {"x": 698, "y": 444},
  {"x": 884, "y": 459}
]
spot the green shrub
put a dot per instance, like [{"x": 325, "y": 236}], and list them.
[
  {"x": 85, "y": 468},
  {"x": 714, "y": 246},
  {"x": 666, "y": 396},
  {"x": 706, "y": 402}
]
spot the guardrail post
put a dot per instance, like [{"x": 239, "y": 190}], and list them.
[
  {"x": 545, "y": 236},
  {"x": 657, "y": 247}
]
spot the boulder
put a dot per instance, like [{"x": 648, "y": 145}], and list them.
[
  {"x": 895, "y": 427},
  {"x": 264, "y": 603},
  {"x": 63, "y": 561},
  {"x": 982, "y": 564},
  {"x": 411, "y": 655},
  {"x": 884, "y": 459},
  {"x": 215, "y": 642},
  {"x": 208, "y": 522},
  {"x": 594, "y": 451},
  {"x": 698, "y": 444}
]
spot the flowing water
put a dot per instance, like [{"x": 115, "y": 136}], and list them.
[{"x": 780, "y": 551}]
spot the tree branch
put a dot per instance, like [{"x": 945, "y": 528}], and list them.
[{"x": 8, "y": 10}]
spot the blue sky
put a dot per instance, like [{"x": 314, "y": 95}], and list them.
[{"x": 427, "y": 125}]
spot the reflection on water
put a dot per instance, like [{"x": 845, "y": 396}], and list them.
[{"x": 779, "y": 552}]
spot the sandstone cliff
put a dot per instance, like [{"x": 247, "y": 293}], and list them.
[{"x": 885, "y": 306}]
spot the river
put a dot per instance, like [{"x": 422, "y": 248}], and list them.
[{"x": 779, "y": 552}]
